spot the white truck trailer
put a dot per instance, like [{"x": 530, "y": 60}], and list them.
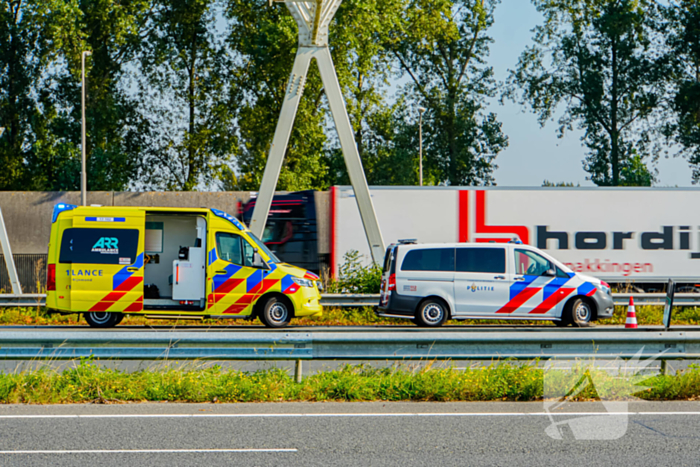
[{"x": 637, "y": 238}]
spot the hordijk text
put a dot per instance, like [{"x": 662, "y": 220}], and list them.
[{"x": 663, "y": 239}]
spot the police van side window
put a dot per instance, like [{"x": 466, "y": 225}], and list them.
[
  {"x": 99, "y": 246},
  {"x": 530, "y": 263},
  {"x": 228, "y": 247},
  {"x": 431, "y": 259},
  {"x": 484, "y": 260}
]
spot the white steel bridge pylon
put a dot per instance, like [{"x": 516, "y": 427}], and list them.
[{"x": 313, "y": 19}]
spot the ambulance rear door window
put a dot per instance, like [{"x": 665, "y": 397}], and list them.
[{"x": 99, "y": 246}]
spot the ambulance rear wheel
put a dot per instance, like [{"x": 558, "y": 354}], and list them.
[
  {"x": 276, "y": 313},
  {"x": 431, "y": 313},
  {"x": 103, "y": 319}
]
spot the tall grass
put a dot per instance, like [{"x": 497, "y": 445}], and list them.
[{"x": 88, "y": 382}]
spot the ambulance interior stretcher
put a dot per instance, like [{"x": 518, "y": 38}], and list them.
[{"x": 175, "y": 267}]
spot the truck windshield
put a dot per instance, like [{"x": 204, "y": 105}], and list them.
[{"x": 263, "y": 247}]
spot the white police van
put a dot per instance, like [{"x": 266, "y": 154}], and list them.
[{"x": 431, "y": 283}]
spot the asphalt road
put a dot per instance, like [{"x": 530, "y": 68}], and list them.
[{"x": 332, "y": 434}]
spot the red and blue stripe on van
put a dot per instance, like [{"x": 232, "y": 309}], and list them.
[
  {"x": 553, "y": 292},
  {"x": 123, "y": 281},
  {"x": 256, "y": 284}
]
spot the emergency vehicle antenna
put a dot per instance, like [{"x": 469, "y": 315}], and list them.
[{"x": 313, "y": 18}]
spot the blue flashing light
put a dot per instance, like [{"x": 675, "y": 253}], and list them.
[
  {"x": 516, "y": 241},
  {"x": 229, "y": 218},
  {"x": 59, "y": 208}
]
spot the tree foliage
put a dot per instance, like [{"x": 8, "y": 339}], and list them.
[
  {"x": 684, "y": 43},
  {"x": 264, "y": 41},
  {"x": 442, "y": 47},
  {"x": 186, "y": 93},
  {"x": 32, "y": 35},
  {"x": 599, "y": 60}
]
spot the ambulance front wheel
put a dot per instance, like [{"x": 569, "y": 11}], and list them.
[
  {"x": 276, "y": 313},
  {"x": 103, "y": 319}
]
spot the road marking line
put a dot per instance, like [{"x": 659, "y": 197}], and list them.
[
  {"x": 322, "y": 415},
  {"x": 141, "y": 451}
]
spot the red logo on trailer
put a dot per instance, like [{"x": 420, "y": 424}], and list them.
[{"x": 481, "y": 229}]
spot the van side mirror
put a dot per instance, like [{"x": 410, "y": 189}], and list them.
[
  {"x": 550, "y": 273},
  {"x": 258, "y": 261}
]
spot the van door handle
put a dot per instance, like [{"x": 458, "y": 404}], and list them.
[
  {"x": 221, "y": 272},
  {"x": 519, "y": 278},
  {"x": 132, "y": 269},
  {"x": 500, "y": 277}
]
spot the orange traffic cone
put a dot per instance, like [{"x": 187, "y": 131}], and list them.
[{"x": 631, "y": 322}]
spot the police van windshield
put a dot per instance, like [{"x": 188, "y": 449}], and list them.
[
  {"x": 530, "y": 263},
  {"x": 264, "y": 248}
]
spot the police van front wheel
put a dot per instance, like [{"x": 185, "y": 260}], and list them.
[
  {"x": 276, "y": 313},
  {"x": 580, "y": 313},
  {"x": 103, "y": 319},
  {"x": 431, "y": 313}
]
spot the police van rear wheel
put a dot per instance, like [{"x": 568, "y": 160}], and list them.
[
  {"x": 276, "y": 313},
  {"x": 580, "y": 313},
  {"x": 103, "y": 319},
  {"x": 431, "y": 313}
]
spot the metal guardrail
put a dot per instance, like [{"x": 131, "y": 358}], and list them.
[
  {"x": 683, "y": 299},
  {"x": 359, "y": 300},
  {"x": 11, "y": 300},
  {"x": 331, "y": 345}
]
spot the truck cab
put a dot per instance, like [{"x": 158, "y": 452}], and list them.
[{"x": 107, "y": 262}]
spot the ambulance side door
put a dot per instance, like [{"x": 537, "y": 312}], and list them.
[{"x": 227, "y": 275}]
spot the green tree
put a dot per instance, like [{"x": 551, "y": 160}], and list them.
[
  {"x": 684, "y": 42},
  {"x": 32, "y": 32},
  {"x": 599, "y": 60},
  {"x": 116, "y": 133},
  {"x": 442, "y": 46},
  {"x": 264, "y": 39},
  {"x": 186, "y": 94},
  {"x": 363, "y": 64}
]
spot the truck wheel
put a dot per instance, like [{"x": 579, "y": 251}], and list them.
[
  {"x": 103, "y": 319},
  {"x": 580, "y": 313},
  {"x": 276, "y": 313},
  {"x": 431, "y": 313}
]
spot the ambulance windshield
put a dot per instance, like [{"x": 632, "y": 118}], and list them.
[{"x": 263, "y": 247}]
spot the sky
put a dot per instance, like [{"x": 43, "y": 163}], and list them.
[{"x": 536, "y": 154}]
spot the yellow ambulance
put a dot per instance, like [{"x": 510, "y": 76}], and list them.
[{"x": 107, "y": 262}]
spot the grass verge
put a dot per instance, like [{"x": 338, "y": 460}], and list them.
[
  {"x": 88, "y": 382},
  {"x": 646, "y": 315}
]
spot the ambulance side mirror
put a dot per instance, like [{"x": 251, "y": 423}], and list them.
[{"x": 258, "y": 261}]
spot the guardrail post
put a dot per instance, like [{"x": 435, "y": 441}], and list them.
[
  {"x": 297, "y": 371},
  {"x": 662, "y": 370}
]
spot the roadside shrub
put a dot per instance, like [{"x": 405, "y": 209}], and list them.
[{"x": 354, "y": 277}]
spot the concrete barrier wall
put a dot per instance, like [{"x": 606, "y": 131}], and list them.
[{"x": 28, "y": 214}]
